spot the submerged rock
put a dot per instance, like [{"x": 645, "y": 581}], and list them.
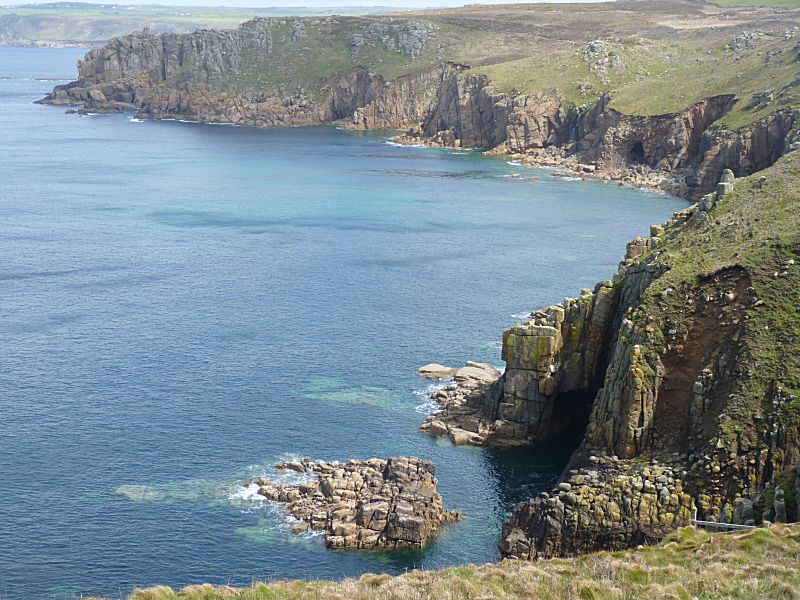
[{"x": 365, "y": 504}]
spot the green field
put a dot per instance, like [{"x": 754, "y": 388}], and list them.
[
  {"x": 93, "y": 24},
  {"x": 757, "y": 2}
]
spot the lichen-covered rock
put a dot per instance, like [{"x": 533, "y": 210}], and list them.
[
  {"x": 604, "y": 502},
  {"x": 779, "y": 505},
  {"x": 372, "y": 503},
  {"x": 658, "y": 435}
]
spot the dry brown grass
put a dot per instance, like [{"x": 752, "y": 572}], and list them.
[{"x": 692, "y": 563}]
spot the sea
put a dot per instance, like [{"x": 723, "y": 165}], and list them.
[{"x": 183, "y": 305}]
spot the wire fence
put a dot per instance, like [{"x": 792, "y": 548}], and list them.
[{"x": 716, "y": 526}]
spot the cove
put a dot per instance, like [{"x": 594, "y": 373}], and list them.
[{"x": 184, "y": 305}]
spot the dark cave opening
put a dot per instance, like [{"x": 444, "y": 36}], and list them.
[
  {"x": 571, "y": 413},
  {"x": 635, "y": 155}
]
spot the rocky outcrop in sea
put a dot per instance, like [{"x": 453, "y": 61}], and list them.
[
  {"x": 460, "y": 413},
  {"x": 364, "y": 504}
]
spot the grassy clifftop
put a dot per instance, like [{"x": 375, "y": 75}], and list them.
[
  {"x": 674, "y": 58},
  {"x": 762, "y": 563},
  {"x": 75, "y": 23},
  {"x": 652, "y": 57}
]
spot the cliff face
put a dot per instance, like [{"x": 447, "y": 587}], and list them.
[
  {"x": 682, "y": 372},
  {"x": 268, "y": 72},
  {"x": 417, "y": 72},
  {"x": 683, "y": 152},
  {"x": 403, "y": 102},
  {"x": 688, "y": 411}
]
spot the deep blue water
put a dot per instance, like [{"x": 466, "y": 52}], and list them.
[{"x": 182, "y": 304}]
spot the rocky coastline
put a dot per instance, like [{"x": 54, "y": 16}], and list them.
[
  {"x": 269, "y": 73},
  {"x": 562, "y": 164},
  {"x": 364, "y": 504},
  {"x": 669, "y": 368},
  {"x": 652, "y": 380},
  {"x": 459, "y": 413}
]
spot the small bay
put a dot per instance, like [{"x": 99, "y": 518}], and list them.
[{"x": 183, "y": 305}]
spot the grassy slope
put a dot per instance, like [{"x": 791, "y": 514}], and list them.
[
  {"x": 661, "y": 76},
  {"x": 96, "y": 23},
  {"x": 666, "y": 57},
  {"x": 763, "y": 563},
  {"x": 325, "y": 51},
  {"x": 757, "y": 2}
]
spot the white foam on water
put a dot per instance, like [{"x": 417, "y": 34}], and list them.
[
  {"x": 279, "y": 477},
  {"x": 427, "y": 408},
  {"x": 399, "y": 145},
  {"x": 525, "y": 315},
  {"x": 246, "y": 493},
  {"x": 432, "y": 388},
  {"x": 430, "y": 406},
  {"x": 290, "y": 521},
  {"x": 135, "y": 120}
]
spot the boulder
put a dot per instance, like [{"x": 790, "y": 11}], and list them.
[
  {"x": 461, "y": 437},
  {"x": 436, "y": 371}
]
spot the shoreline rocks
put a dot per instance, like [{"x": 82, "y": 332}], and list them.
[
  {"x": 460, "y": 415},
  {"x": 364, "y": 504},
  {"x": 615, "y": 503},
  {"x": 437, "y": 371},
  {"x": 565, "y": 164}
]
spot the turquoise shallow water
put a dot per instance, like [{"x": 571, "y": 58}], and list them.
[{"x": 184, "y": 304}]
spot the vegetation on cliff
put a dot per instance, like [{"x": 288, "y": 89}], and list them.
[
  {"x": 690, "y": 563},
  {"x": 755, "y": 229},
  {"x": 56, "y": 24},
  {"x": 658, "y": 94}
]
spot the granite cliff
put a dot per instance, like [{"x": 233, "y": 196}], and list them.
[
  {"x": 683, "y": 370},
  {"x": 694, "y": 401},
  {"x": 704, "y": 89}
]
